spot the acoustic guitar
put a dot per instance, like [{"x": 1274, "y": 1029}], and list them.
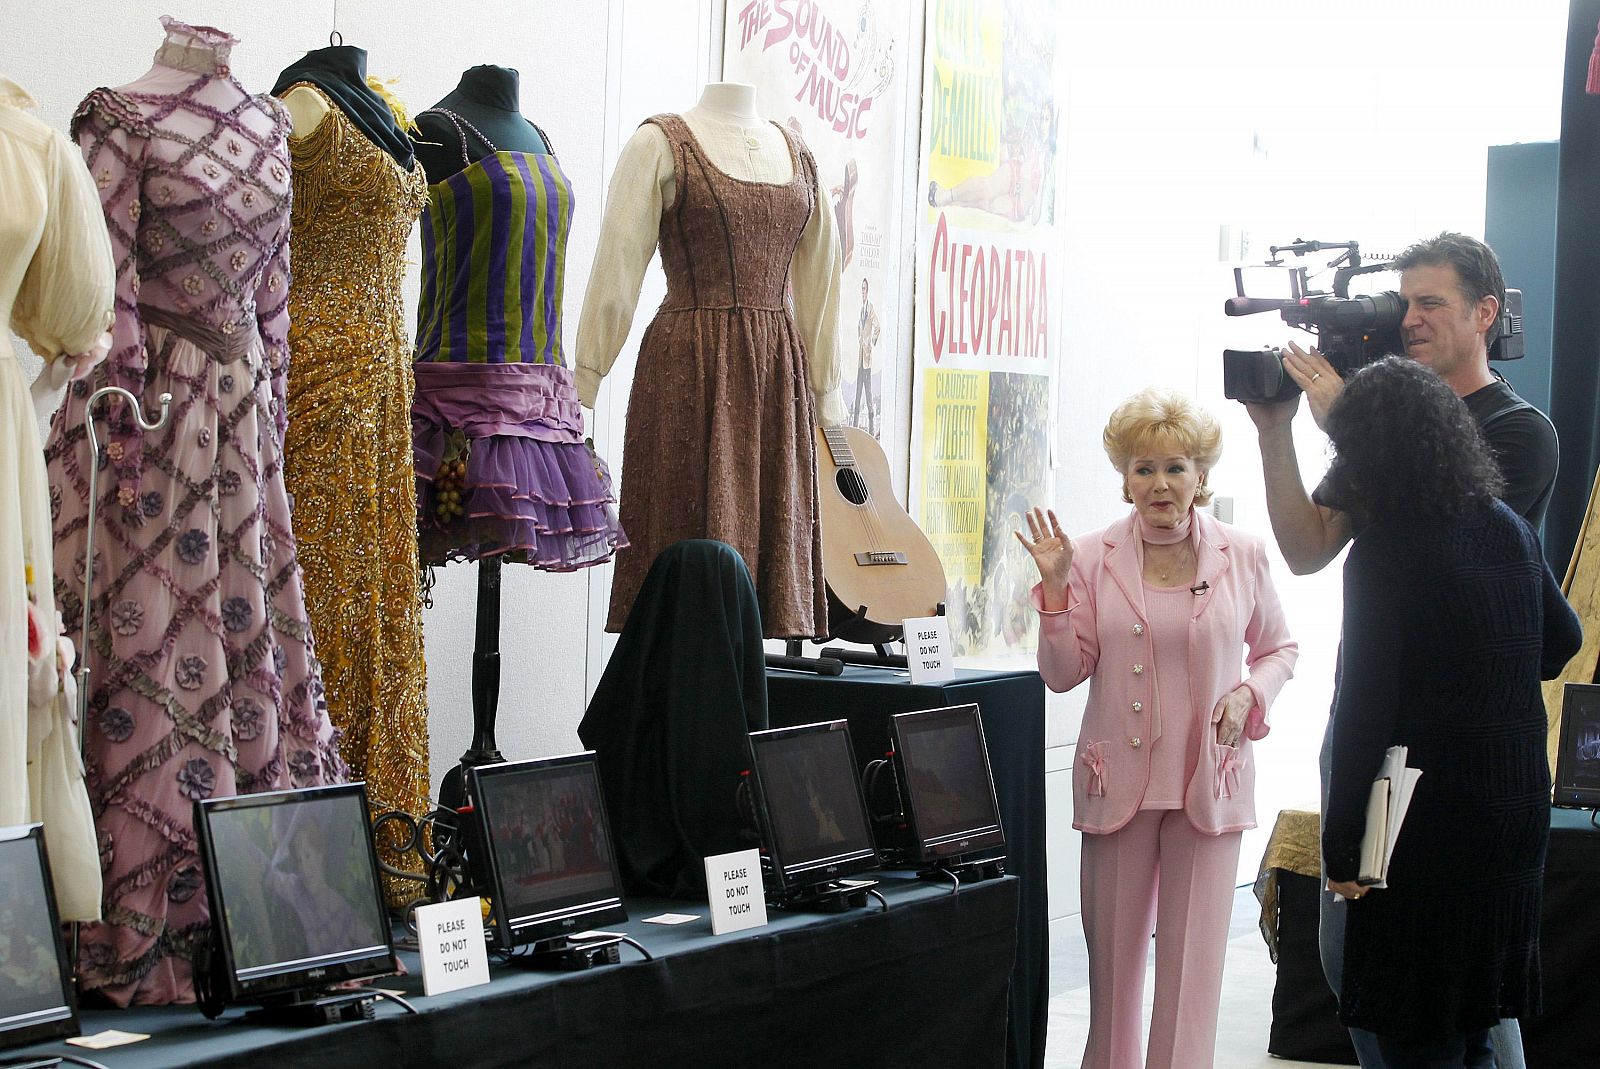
[{"x": 879, "y": 567}]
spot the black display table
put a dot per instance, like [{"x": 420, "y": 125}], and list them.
[
  {"x": 1012, "y": 704},
  {"x": 1560, "y": 1038},
  {"x": 922, "y": 984},
  {"x": 1569, "y": 942},
  {"x": 1305, "y": 1011}
]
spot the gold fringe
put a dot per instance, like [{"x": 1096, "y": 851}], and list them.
[
  {"x": 306, "y": 154},
  {"x": 315, "y": 175}
]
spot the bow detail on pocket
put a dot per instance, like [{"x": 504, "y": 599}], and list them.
[
  {"x": 1230, "y": 761},
  {"x": 1093, "y": 756}
]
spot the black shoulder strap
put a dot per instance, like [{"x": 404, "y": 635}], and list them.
[{"x": 1510, "y": 402}]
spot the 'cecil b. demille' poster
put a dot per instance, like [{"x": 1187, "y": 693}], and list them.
[{"x": 987, "y": 309}]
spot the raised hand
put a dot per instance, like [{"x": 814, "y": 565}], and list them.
[{"x": 1052, "y": 551}]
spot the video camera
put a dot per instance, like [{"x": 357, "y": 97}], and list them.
[{"x": 1351, "y": 332}]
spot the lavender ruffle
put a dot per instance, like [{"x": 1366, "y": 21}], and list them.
[{"x": 534, "y": 492}]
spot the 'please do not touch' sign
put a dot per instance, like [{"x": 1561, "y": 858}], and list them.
[{"x": 928, "y": 651}]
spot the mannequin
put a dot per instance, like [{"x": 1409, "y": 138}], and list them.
[
  {"x": 743, "y": 144},
  {"x": 198, "y": 614},
  {"x": 502, "y": 471},
  {"x": 340, "y": 71},
  {"x": 748, "y": 148},
  {"x": 57, "y": 279},
  {"x": 487, "y": 97},
  {"x": 737, "y": 138},
  {"x": 744, "y": 222},
  {"x": 347, "y": 445}
]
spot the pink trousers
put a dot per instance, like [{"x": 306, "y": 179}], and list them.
[{"x": 1156, "y": 874}]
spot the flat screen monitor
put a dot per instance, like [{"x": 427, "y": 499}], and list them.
[
  {"x": 808, "y": 800},
  {"x": 947, "y": 789},
  {"x": 294, "y": 891},
  {"x": 1578, "y": 761},
  {"x": 36, "y": 1000},
  {"x": 551, "y": 869}
]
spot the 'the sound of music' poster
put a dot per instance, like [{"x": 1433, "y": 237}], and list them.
[{"x": 834, "y": 72}]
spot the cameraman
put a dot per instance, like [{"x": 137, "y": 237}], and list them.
[{"x": 1454, "y": 292}]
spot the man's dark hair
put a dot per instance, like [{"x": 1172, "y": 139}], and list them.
[
  {"x": 1475, "y": 263},
  {"x": 1406, "y": 448}
]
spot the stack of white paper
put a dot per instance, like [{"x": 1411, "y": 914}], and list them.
[{"x": 1386, "y": 811}]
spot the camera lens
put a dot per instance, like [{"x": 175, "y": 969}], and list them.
[
  {"x": 1256, "y": 375},
  {"x": 1377, "y": 311}
]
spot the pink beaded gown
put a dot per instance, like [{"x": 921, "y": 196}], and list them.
[{"x": 204, "y": 678}]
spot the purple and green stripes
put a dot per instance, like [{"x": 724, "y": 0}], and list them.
[{"x": 494, "y": 243}]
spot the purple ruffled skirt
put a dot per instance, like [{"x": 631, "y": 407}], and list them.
[{"x": 502, "y": 468}]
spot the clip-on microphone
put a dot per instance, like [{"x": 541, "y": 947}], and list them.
[{"x": 1201, "y": 589}]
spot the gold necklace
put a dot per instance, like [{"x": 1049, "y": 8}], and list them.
[{"x": 1178, "y": 559}]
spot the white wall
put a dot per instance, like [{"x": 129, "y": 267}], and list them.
[{"x": 1357, "y": 120}]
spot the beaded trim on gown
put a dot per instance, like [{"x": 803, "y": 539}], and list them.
[
  {"x": 204, "y": 677},
  {"x": 501, "y": 465},
  {"x": 349, "y": 452}
]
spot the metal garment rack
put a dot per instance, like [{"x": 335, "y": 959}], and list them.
[
  {"x": 82, "y": 671},
  {"x": 88, "y": 537}
]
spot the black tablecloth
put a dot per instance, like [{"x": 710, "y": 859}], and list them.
[
  {"x": 921, "y": 984},
  {"x": 1305, "y": 1011},
  {"x": 1012, "y": 704},
  {"x": 1563, "y": 1037}
]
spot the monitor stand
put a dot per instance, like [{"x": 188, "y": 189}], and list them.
[
  {"x": 46, "y": 1061},
  {"x": 567, "y": 955},
  {"x": 965, "y": 871},
  {"x": 311, "y": 1008},
  {"x": 835, "y": 896}
]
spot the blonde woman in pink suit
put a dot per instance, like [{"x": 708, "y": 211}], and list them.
[{"x": 1160, "y": 611}]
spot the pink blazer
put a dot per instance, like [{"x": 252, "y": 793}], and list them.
[{"x": 1237, "y": 628}]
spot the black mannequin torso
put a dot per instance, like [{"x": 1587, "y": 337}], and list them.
[
  {"x": 340, "y": 71},
  {"x": 486, "y": 99}
]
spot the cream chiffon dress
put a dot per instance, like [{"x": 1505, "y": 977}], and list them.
[{"x": 56, "y": 292}]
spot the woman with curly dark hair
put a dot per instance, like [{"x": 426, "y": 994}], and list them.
[{"x": 1451, "y": 618}]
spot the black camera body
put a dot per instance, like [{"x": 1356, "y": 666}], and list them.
[{"x": 1351, "y": 332}]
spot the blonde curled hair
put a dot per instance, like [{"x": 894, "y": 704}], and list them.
[{"x": 1155, "y": 417}]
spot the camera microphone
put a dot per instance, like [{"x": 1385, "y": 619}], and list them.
[{"x": 1201, "y": 589}]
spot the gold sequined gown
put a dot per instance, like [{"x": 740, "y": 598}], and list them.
[{"x": 348, "y": 450}]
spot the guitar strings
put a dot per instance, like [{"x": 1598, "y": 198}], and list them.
[
  {"x": 866, "y": 513},
  {"x": 872, "y": 515}
]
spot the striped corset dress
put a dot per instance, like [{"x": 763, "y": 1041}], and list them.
[{"x": 502, "y": 466}]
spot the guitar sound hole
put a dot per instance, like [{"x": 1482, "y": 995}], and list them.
[{"x": 852, "y": 486}]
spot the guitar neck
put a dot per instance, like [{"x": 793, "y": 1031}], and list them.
[{"x": 839, "y": 447}]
